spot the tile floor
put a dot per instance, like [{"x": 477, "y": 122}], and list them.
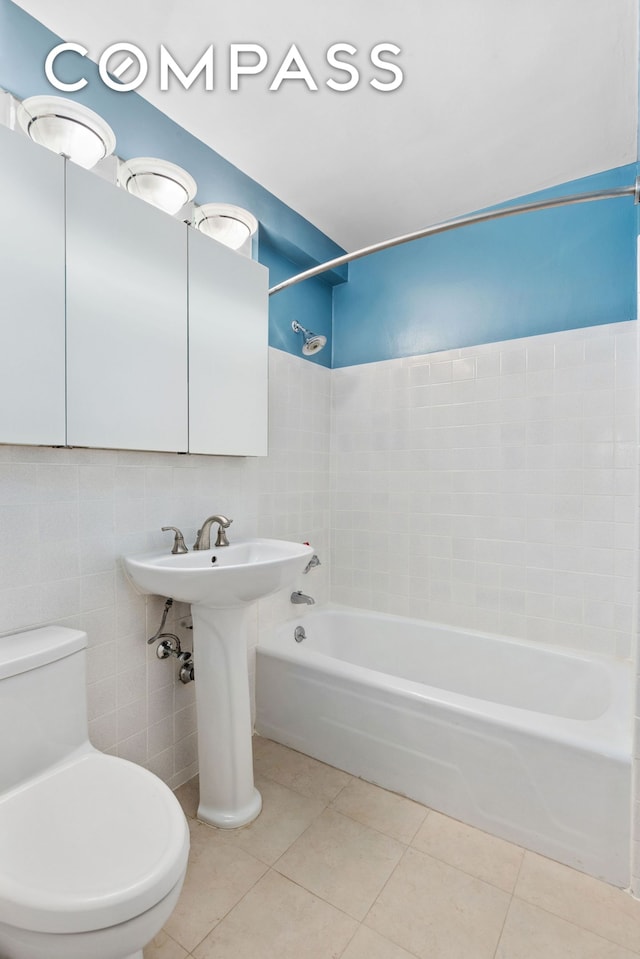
[{"x": 335, "y": 867}]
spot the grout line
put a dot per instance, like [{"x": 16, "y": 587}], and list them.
[
  {"x": 376, "y": 829},
  {"x": 384, "y": 886},
  {"x": 577, "y": 925},
  {"x": 330, "y": 804},
  {"x": 355, "y": 933},
  {"x": 429, "y": 810},
  {"x": 315, "y": 895},
  {"x": 231, "y": 908},
  {"x": 366, "y": 916},
  {"x": 506, "y": 916},
  {"x": 520, "y": 867},
  {"x": 465, "y": 872}
]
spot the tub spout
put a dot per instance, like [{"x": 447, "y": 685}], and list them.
[{"x": 300, "y": 597}]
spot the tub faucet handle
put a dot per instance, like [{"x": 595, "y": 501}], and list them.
[
  {"x": 314, "y": 561},
  {"x": 179, "y": 545}
]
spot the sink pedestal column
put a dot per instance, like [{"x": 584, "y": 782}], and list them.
[{"x": 228, "y": 797}]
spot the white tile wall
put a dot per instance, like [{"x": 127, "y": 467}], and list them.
[
  {"x": 67, "y": 516},
  {"x": 496, "y": 488},
  {"x": 493, "y": 487}
]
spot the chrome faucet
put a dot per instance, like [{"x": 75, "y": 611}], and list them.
[
  {"x": 203, "y": 539},
  {"x": 314, "y": 561},
  {"x": 300, "y": 597}
]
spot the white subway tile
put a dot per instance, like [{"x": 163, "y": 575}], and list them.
[
  {"x": 478, "y": 498},
  {"x": 134, "y": 748},
  {"x": 103, "y": 732},
  {"x": 59, "y": 599},
  {"x": 57, "y": 483},
  {"x": 464, "y": 368},
  {"x": 161, "y": 739},
  {"x": 162, "y": 765},
  {"x": 441, "y": 371},
  {"x": 569, "y": 352},
  {"x": 101, "y": 662},
  {"x": 102, "y": 697},
  {"x": 513, "y": 384},
  {"x": 97, "y": 591},
  {"x": 540, "y": 353}
]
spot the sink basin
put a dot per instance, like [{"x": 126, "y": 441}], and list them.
[{"x": 222, "y": 577}]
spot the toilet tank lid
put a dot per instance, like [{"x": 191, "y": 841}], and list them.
[{"x": 20, "y": 652}]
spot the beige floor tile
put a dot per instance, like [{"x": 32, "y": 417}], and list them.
[
  {"x": 218, "y": 876},
  {"x": 279, "y": 920},
  {"x": 471, "y": 850},
  {"x": 367, "y": 944},
  {"x": 285, "y": 816},
  {"x": 446, "y": 897},
  {"x": 393, "y": 815},
  {"x": 438, "y": 912},
  {"x": 342, "y": 861},
  {"x": 164, "y": 947},
  {"x": 297, "y": 771},
  {"x": 188, "y": 795},
  {"x": 532, "y": 933},
  {"x": 587, "y": 902}
]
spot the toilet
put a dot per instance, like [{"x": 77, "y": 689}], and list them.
[{"x": 93, "y": 849}]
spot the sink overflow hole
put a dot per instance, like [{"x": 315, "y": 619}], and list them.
[{"x": 213, "y": 559}]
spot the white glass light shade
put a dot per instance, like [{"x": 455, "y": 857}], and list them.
[
  {"x": 68, "y": 128},
  {"x": 159, "y": 182},
  {"x": 228, "y": 224}
]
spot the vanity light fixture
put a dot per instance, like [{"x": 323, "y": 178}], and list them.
[
  {"x": 68, "y": 128},
  {"x": 159, "y": 182},
  {"x": 226, "y": 223}
]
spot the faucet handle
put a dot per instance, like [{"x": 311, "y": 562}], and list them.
[
  {"x": 179, "y": 545},
  {"x": 221, "y": 538},
  {"x": 314, "y": 561}
]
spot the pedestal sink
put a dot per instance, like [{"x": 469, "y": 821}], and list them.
[{"x": 221, "y": 584}]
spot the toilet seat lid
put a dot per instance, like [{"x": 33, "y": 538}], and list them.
[{"x": 93, "y": 843}]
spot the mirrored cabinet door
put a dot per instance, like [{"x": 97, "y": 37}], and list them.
[
  {"x": 122, "y": 328},
  {"x": 228, "y": 350},
  {"x": 32, "y": 309},
  {"x": 126, "y": 320}
]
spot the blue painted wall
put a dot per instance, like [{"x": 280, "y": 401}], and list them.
[
  {"x": 529, "y": 274},
  {"x": 535, "y": 273},
  {"x": 310, "y": 303},
  {"x": 288, "y": 242}
]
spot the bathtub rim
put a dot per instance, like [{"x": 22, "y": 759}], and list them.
[{"x": 610, "y": 734}]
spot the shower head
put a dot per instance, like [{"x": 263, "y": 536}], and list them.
[{"x": 313, "y": 342}]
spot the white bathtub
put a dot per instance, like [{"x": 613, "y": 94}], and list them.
[{"x": 525, "y": 741}]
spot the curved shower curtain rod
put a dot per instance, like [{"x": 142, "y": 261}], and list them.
[{"x": 454, "y": 224}]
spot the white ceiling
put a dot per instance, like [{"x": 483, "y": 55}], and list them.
[{"x": 500, "y": 98}]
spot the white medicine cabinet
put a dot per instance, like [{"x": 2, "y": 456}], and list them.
[
  {"x": 122, "y": 327},
  {"x": 32, "y": 293},
  {"x": 126, "y": 320}
]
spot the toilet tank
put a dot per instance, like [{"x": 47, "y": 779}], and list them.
[{"x": 43, "y": 706}]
